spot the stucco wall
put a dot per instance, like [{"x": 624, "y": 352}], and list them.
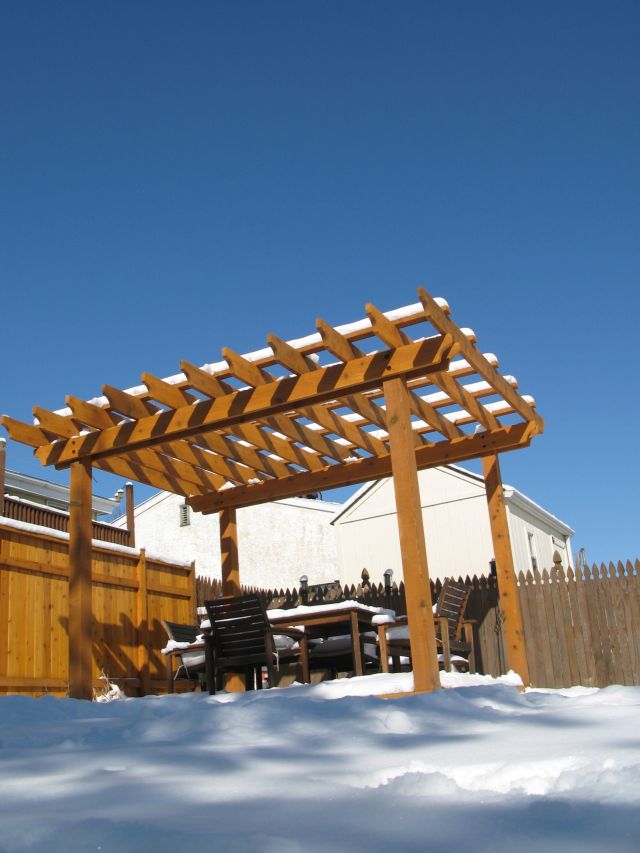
[{"x": 277, "y": 542}]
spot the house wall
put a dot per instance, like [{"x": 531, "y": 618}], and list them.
[
  {"x": 277, "y": 542},
  {"x": 457, "y": 530},
  {"x": 455, "y": 518},
  {"x": 545, "y": 540}
]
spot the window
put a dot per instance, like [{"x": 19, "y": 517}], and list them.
[
  {"x": 185, "y": 518},
  {"x": 532, "y": 552}
]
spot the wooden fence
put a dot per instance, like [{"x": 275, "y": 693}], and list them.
[
  {"x": 131, "y": 595},
  {"x": 582, "y": 628},
  {"x": 579, "y": 628}
]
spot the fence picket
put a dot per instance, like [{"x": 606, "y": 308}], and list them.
[{"x": 583, "y": 670}]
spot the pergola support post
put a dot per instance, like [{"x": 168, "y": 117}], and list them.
[
  {"x": 229, "y": 552},
  {"x": 80, "y": 607},
  {"x": 234, "y": 681},
  {"x": 513, "y": 631},
  {"x": 426, "y": 675}
]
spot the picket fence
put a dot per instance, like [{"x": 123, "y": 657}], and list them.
[{"x": 580, "y": 627}]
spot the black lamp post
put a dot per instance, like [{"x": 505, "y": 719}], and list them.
[
  {"x": 388, "y": 574},
  {"x": 304, "y": 589}
]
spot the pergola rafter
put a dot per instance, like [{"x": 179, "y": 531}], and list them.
[{"x": 341, "y": 406}]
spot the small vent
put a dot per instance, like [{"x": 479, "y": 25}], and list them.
[{"x": 185, "y": 518}]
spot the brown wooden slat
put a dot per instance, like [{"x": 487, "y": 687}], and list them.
[
  {"x": 208, "y": 461},
  {"x": 247, "y": 372},
  {"x": 128, "y": 404},
  {"x": 292, "y": 360},
  {"x": 438, "y": 318},
  {"x": 90, "y": 414},
  {"x": 132, "y": 471},
  {"x": 56, "y": 424},
  {"x": 174, "y": 397}
]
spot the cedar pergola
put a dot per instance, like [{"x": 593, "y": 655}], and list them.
[{"x": 342, "y": 406}]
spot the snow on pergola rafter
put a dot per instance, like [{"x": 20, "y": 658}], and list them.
[{"x": 295, "y": 417}]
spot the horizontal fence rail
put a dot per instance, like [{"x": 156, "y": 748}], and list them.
[{"x": 45, "y": 516}]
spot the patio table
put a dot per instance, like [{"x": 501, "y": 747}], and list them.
[
  {"x": 321, "y": 621},
  {"x": 336, "y": 619}
]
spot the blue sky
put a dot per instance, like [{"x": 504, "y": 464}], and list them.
[{"x": 179, "y": 177}]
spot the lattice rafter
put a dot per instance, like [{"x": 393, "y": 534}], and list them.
[{"x": 241, "y": 432}]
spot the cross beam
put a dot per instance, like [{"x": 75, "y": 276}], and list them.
[{"x": 363, "y": 470}]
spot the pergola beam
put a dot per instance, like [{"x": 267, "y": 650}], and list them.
[
  {"x": 373, "y": 468},
  {"x": 415, "y": 359}
]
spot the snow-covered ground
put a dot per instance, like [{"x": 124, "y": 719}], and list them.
[{"x": 478, "y": 766}]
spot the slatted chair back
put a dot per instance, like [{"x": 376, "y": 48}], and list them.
[
  {"x": 240, "y": 630},
  {"x": 451, "y": 604},
  {"x": 180, "y": 633}
]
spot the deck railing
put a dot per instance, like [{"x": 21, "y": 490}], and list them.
[{"x": 54, "y": 519}]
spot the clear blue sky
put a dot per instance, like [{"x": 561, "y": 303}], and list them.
[{"x": 179, "y": 177}]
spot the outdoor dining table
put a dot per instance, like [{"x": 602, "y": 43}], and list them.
[{"x": 321, "y": 621}]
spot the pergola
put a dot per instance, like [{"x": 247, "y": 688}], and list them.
[{"x": 342, "y": 406}]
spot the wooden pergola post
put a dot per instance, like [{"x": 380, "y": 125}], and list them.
[
  {"x": 234, "y": 681},
  {"x": 80, "y": 608},
  {"x": 513, "y": 631},
  {"x": 229, "y": 552},
  {"x": 426, "y": 675}
]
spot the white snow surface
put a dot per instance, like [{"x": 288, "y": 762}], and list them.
[{"x": 479, "y": 766}]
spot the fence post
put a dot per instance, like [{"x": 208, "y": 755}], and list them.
[
  {"x": 194, "y": 594},
  {"x": 3, "y": 460},
  {"x": 143, "y": 623},
  {"x": 131, "y": 518}
]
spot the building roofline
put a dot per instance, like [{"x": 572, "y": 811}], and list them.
[
  {"x": 53, "y": 491},
  {"x": 516, "y": 498},
  {"x": 304, "y": 503},
  {"x": 512, "y": 495}
]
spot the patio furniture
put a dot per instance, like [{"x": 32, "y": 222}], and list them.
[
  {"x": 241, "y": 639},
  {"x": 192, "y": 660},
  {"x": 454, "y": 633},
  {"x": 337, "y": 634}
]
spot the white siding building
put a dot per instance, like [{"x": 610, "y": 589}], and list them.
[
  {"x": 457, "y": 531},
  {"x": 277, "y": 542}
]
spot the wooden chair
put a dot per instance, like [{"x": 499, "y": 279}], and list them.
[
  {"x": 192, "y": 663},
  {"x": 241, "y": 639},
  {"x": 454, "y": 633}
]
